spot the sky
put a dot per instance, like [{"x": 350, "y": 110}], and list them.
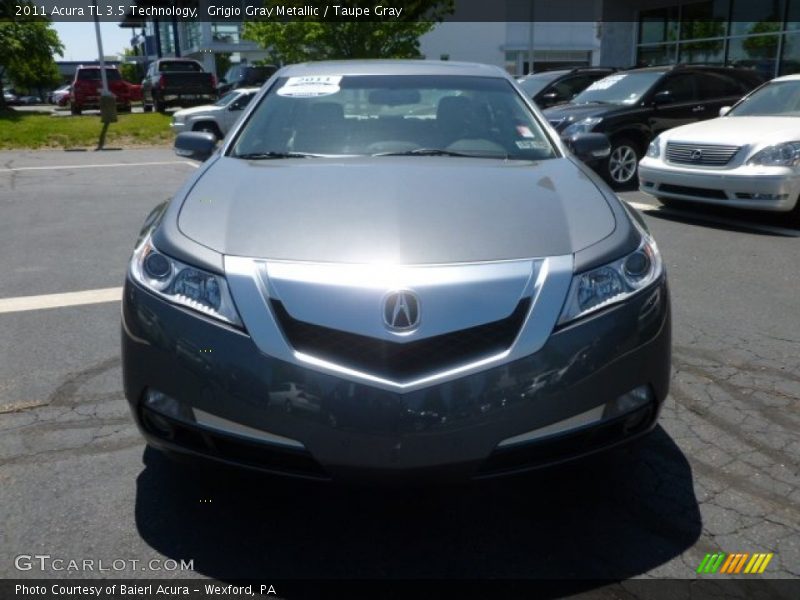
[{"x": 80, "y": 42}]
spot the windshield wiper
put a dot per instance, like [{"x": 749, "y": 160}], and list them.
[
  {"x": 273, "y": 154},
  {"x": 439, "y": 152}
]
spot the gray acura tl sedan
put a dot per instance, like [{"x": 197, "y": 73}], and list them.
[{"x": 391, "y": 270}]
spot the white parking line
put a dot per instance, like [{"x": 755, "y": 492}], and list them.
[
  {"x": 27, "y": 303},
  {"x": 110, "y": 165},
  {"x": 758, "y": 227}
]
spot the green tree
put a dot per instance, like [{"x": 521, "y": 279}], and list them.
[
  {"x": 304, "y": 38},
  {"x": 26, "y": 52},
  {"x": 222, "y": 62},
  {"x": 130, "y": 71}
]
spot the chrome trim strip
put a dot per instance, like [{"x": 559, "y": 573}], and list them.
[
  {"x": 224, "y": 425},
  {"x": 547, "y": 286},
  {"x": 594, "y": 415}
]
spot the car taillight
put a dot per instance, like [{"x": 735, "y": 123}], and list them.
[{"x": 162, "y": 82}]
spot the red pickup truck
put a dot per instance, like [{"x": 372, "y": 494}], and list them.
[{"x": 87, "y": 87}]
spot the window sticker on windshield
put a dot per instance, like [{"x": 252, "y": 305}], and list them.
[
  {"x": 310, "y": 86},
  {"x": 524, "y": 131},
  {"x": 606, "y": 82}
]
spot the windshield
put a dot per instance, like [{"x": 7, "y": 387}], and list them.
[
  {"x": 777, "y": 98},
  {"x": 179, "y": 66},
  {"x": 536, "y": 83},
  {"x": 399, "y": 114},
  {"x": 620, "y": 88},
  {"x": 227, "y": 98}
]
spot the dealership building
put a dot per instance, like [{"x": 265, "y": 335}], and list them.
[{"x": 760, "y": 35}]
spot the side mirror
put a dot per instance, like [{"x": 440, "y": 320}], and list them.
[
  {"x": 197, "y": 145},
  {"x": 724, "y": 111},
  {"x": 662, "y": 97},
  {"x": 589, "y": 147}
]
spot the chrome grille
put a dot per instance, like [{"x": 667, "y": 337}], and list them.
[{"x": 712, "y": 155}]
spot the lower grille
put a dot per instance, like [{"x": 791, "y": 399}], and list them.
[
  {"x": 402, "y": 361},
  {"x": 253, "y": 454},
  {"x": 700, "y": 154},
  {"x": 569, "y": 445},
  {"x": 693, "y": 191}
]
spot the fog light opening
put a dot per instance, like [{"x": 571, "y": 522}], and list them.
[
  {"x": 158, "y": 402},
  {"x": 158, "y": 424},
  {"x": 637, "y": 419},
  {"x": 631, "y": 402}
]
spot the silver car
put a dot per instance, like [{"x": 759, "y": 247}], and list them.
[
  {"x": 215, "y": 118},
  {"x": 411, "y": 241}
]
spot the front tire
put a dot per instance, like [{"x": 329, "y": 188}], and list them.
[
  {"x": 622, "y": 163},
  {"x": 74, "y": 109}
]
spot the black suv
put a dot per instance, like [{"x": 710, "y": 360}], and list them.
[
  {"x": 243, "y": 75},
  {"x": 632, "y": 107},
  {"x": 554, "y": 87}
]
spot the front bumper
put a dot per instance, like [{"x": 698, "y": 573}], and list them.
[
  {"x": 456, "y": 430},
  {"x": 758, "y": 188}
]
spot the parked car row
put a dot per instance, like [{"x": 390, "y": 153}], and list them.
[
  {"x": 691, "y": 133},
  {"x": 168, "y": 82}
]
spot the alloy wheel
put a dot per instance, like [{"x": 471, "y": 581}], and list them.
[{"x": 622, "y": 164}]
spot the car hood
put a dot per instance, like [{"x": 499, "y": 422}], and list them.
[
  {"x": 569, "y": 113},
  {"x": 205, "y": 109},
  {"x": 403, "y": 210},
  {"x": 737, "y": 131}
]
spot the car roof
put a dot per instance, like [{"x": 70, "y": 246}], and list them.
[
  {"x": 393, "y": 67},
  {"x": 793, "y": 77}
]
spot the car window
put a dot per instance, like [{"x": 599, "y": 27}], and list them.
[
  {"x": 776, "y": 98},
  {"x": 619, "y": 88},
  {"x": 173, "y": 66},
  {"x": 536, "y": 83},
  {"x": 378, "y": 114},
  {"x": 572, "y": 86},
  {"x": 227, "y": 98},
  {"x": 718, "y": 85},
  {"x": 243, "y": 101},
  {"x": 681, "y": 87}
]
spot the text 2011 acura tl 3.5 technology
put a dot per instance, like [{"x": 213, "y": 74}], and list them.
[{"x": 394, "y": 269}]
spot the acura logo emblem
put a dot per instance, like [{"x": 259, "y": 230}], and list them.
[
  {"x": 696, "y": 154},
  {"x": 401, "y": 310}
]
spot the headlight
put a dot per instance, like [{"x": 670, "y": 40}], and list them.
[
  {"x": 583, "y": 126},
  {"x": 654, "y": 149},
  {"x": 779, "y": 155},
  {"x": 614, "y": 282},
  {"x": 182, "y": 284}
]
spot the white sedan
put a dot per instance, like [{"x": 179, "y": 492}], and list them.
[
  {"x": 215, "y": 118},
  {"x": 747, "y": 158}
]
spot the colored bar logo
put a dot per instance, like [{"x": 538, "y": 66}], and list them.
[{"x": 735, "y": 564}]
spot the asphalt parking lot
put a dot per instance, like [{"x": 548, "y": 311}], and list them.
[{"x": 720, "y": 473}]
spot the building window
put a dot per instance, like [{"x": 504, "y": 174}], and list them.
[
  {"x": 755, "y": 34},
  {"x": 749, "y": 17},
  {"x": 704, "y": 20},
  {"x": 659, "y": 25},
  {"x": 653, "y": 56}
]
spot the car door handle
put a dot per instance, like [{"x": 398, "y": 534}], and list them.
[{"x": 698, "y": 109}]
